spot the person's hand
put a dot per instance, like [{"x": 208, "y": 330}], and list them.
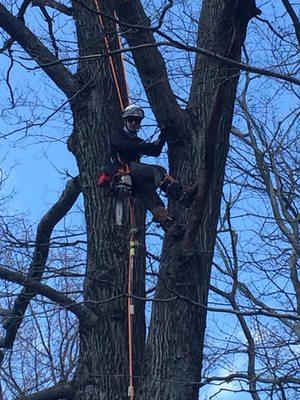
[
  {"x": 160, "y": 141},
  {"x": 165, "y": 132}
]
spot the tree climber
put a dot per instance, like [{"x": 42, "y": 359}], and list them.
[{"x": 127, "y": 149}]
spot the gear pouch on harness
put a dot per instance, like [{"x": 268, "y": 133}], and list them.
[
  {"x": 118, "y": 184},
  {"x": 121, "y": 185}
]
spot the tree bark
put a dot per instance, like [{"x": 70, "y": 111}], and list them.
[
  {"x": 173, "y": 358},
  {"x": 174, "y": 350},
  {"x": 102, "y": 371}
]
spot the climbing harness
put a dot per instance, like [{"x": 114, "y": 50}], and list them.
[{"x": 121, "y": 184}]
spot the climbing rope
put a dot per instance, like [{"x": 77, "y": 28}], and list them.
[
  {"x": 122, "y": 59},
  {"x": 130, "y": 305},
  {"x": 133, "y": 230},
  {"x": 111, "y": 61}
]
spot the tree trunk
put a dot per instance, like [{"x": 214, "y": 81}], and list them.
[
  {"x": 174, "y": 349},
  {"x": 173, "y": 358},
  {"x": 102, "y": 371}
]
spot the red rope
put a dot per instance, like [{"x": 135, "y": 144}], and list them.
[
  {"x": 111, "y": 61},
  {"x": 132, "y": 243},
  {"x": 130, "y": 305}
]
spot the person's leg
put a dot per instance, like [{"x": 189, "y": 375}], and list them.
[
  {"x": 148, "y": 196},
  {"x": 143, "y": 174},
  {"x": 175, "y": 191}
]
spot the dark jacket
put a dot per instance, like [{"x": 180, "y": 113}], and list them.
[{"x": 127, "y": 146}]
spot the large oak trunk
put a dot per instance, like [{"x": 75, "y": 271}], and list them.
[
  {"x": 172, "y": 361},
  {"x": 102, "y": 371}
]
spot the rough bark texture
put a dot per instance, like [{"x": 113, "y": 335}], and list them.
[
  {"x": 174, "y": 347},
  {"x": 57, "y": 72},
  {"x": 102, "y": 371}
]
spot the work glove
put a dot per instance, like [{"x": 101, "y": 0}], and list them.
[
  {"x": 160, "y": 141},
  {"x": 165, "y": 132}
]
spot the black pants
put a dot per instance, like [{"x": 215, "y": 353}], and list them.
[{"x": 145, "y": 180}]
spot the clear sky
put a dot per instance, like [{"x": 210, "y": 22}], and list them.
[{"x": 35, "y": 162}]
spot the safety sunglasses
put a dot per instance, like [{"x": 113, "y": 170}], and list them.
[{"x": 134, "y": 119}]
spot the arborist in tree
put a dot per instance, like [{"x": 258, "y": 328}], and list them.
[{"x": 127, "y": 149}]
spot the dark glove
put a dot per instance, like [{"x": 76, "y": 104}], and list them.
[
  {"x": 165, "y": 132},
  {"x": 160, "y": 141}
]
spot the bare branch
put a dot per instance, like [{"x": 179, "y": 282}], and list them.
[
  {"x": 55, "y": 5},
  {"x": 251, "y": 351},
  {"x": 266, "y": 176},
  {"x": 34, "y": 287},
  {"x": 23, "y": 9},
  {"x": 20, "y": 16},
  {"x": 12, "y": 97},
  {"x": 44, "y": 230},
  {"x": 63, "y": 390},
  {"x": 50, "y": 29},
  {"x": 147, "y": 43},
  {"x": 294, "y": 18},
  {"x": 166, "y": 8},
  {"x": 35, "y": 48}
]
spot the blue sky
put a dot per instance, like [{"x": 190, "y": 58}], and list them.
[{"x": 34, "y": 163}]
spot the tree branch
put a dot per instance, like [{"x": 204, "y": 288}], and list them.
[
  {"x": 204, "y": 184},
  {"x": 63, "y": 390},
  {"x": 8, "y": 43},
  {"x": 294, "y": 18},
  {"x": 34, "y": 287},
  {"x": 196, "y": 49},
  {"x": 55, "y": 5},
  {"x": 250, "y": 351},
  {"x": 50, "y": 29},
  {"x": 148, "y": 60},
  {"x": 173, "y": 43},
  {"x": 40, "y": 255},
  {"x": 35, "y": 48}
]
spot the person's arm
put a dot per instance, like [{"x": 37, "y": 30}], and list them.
[
  {"x": 127, "y": 144},
  {"x": 153, "y": 149}
]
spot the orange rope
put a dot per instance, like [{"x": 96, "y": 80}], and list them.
[
  {"x": 132, "y": 243},
  {"x": 130, "y": 305},
  {"x": 111, "y": 61}
]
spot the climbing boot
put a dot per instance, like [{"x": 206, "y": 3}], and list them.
[
  {"x": 175, "y": 191},
  {"x": 168, "y": 224},
  {"x": 188, "y": 196},
  {"x": 173, "y": 229}
]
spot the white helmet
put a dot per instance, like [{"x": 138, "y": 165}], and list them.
[{"x": 133, "y": 111}]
